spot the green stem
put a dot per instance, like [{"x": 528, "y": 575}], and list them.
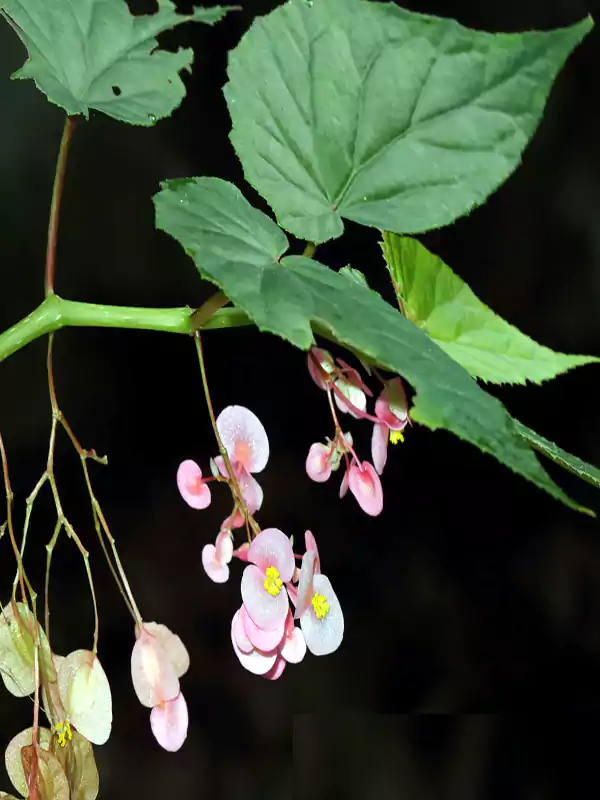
[{"x": 55, "y": 313}]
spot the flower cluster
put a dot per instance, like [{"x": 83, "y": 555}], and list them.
[
  {"x": 347, "y": 391},
  {"x": 264, "y": 633}
]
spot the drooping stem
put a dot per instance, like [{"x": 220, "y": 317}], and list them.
[
  {"x": 237, "y": 493},
  {"x": 57, "y": 190}
]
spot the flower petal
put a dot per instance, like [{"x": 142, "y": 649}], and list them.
[
  {"x": 344, "y": 484},
  {"x": 268, "y": 611},
  {"x": 311, "y": 544},
  {"x": 154, "y": 678},
  {"x": 239, "y": 634},
  {"x": 260, "y": 638},
  {"x": 224, "y": 547},
  {"x": 255, "y": 662},
  {"x": 305, "y": 584},
  {"x": 365, "y": 485},
  {"x": 192, "y": 488},
  {"x": 276, "y": 670},
  {"x": 294, "y": 648},
  {"x": 172, "y": 645},
  {"x": 323, "y": 636},
  {"x": 169, "y": 723},
  {"x": 251, "y": 491},
  {"x": 326, "y": 366},
  {"x": 379, "y": 446},
  {"x": 86, "y": 696},
  {"x": 272, "y": 548},
  {"x": 244, "y": 437},
  {"x": 353, "y": 394},
  {"x": 217, "y": 572},
  {"x": 318, "y": 463}
]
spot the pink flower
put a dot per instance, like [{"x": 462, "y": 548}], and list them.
[
  {"x": 317, "y": 606},
  {"x": 324, "y": 369},
  {"x": 158, "y": 660},
  {"x": 191, "y": 485},
  {"x": 364, "y": 483},
  {"x": 247, "y": 445},
  {"x": 244, "y": 438},
  {"x": 351, "y": 394},
  {"x": 318, "y": 462},
  {"x": 169, "y": 723},
  {"x": 286, "y": 646},
  {"x": 391, "y": 410},
  {"x": 263, "y": 581},
  {"x": 216, "y": 557}
]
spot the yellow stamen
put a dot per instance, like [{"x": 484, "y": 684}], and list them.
[
  {"x": 396, "y": 436},
  {"x": 320, "y": 605},
  {"x": 273, "y": 582},
  {"x": 63, "y": 729}
]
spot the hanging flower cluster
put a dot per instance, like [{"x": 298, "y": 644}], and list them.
[
  {"x": 347, "y": 391},
  {"x": 264, "y": 633}
]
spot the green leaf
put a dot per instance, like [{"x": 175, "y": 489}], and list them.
[
  {"x": 441, "y": 303},
  {"x": 364, "y": 111},
  {"x": 93, "y": 54},
  {"x": 240, "y": 250},
  {"x": 17, "y": 651},
  {"x": 569, "y": 462}
]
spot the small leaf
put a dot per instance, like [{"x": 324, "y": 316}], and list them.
[
  {"x": 12, "y": 756},
  {"x": 86, "y": 696},
  {"x": 441, "y": 303},
  {"x": 17, "y": 651},
  {"x": 571, "y": 463},
  {"x": 79, "y": 765},
  {"x": 344, "y": 109},
  {"x": 51, "y": 783},
  {"x": 93, "y": 54},
  {"x": 239, "y": 249}
]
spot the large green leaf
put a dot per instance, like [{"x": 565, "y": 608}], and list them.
[
  {"x": 240, "y": 250},
  {"x": 364, "y": 111},
  {"x": 93, "y": 54},
  {"x": 441, "y": 303}
]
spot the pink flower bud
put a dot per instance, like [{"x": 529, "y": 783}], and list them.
[
  {"x": 365, "y": 485},
  {"x": 318, "y": 462}
]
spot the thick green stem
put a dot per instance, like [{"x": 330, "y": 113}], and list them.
[{"x": 55, "y": 313}]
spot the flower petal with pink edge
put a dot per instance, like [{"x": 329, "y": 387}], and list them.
[
  {"x": 324, "y": 635},
  {"x": 216, "y": 571},
  {"x": 261, "y": 638},
  {"x": 365, "y": 485},
  {"x": 272, "y": 548},
  {"x": 305, "y": 590},
  {"x": 239, "y": 634},
  {"x": 224, "y": 547},
  {"x": 154, "y": 678},
  {"x": 357, "y": 400},
  {"x": 311, "y": 544},
  {"x": 172, "y": 645},
  {"x": 234, "y": 520},
  {"x": 294, "y": 648},
  {"x": 344, "y": 484},
  {"x": 255, "y": 662},
  {"x": 326, "y": 366},
  {"x": 242, "y": 551},
  {"x": 169, "y": 723},
  {"x": 276, "y": 670},
  {"x": 192, "y": 488},
  {"x": 268, "y": 611},
  {"x": 244, "y": 437},
  {"x": 251, "y": 491},
  {"x": 353, "y": 376},
  {"x": 379, "y": 446},
  {"x": 391, "y": 406},
  {"x": 318, "y": 463}
]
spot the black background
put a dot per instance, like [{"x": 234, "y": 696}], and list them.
[{"x": 474, "y": 600}]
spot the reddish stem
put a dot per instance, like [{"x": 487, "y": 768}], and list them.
[{"x": 59, "y": 180}]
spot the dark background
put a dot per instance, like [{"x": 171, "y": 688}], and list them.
[{"x": 474, "y": 600}]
